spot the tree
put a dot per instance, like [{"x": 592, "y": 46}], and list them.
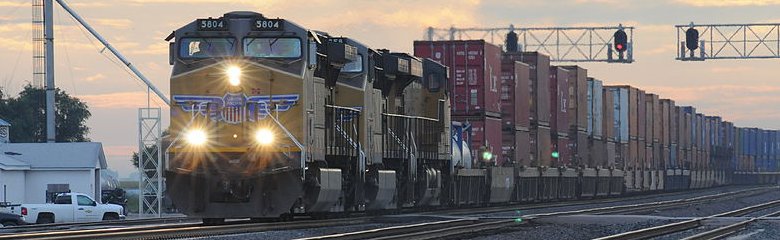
[{"x": 27, "y": 116}]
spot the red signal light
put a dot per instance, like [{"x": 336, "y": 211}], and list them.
[{"x": 619, "y": 46}]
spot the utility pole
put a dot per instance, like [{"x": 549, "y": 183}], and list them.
[{"x": 48, "y": 25}]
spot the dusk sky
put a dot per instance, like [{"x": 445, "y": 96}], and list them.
[{"x": 746, "y": 92}]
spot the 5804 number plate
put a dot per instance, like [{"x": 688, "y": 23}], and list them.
[
  {"x": 212, "y": 25},
  {"x": 269, "y": 25}
]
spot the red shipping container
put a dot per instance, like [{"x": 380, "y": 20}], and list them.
[
  {"x": 538, "y": 84},
  {"x": 522, "y": 148},
  {"x": 561, "y": 145},
  {"x": 559, "y": 100},
  {"x": 515, "y": 98},
  {"x": 578, "y": 100},
  {"x": 475, "y": 72},
  {"x": 541, "y": 146},
  {"x": 485, "y": 132},
  {"x": 515, "y": 149}
]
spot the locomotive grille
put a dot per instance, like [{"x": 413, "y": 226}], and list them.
[{"x": 233, "y": 115}]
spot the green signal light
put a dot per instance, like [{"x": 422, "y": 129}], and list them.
[
  {"x": 487, "y": 155},
  {"x": 555, "y": 154}
]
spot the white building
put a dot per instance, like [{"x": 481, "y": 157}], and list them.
[{"x": 28, "y": 170}]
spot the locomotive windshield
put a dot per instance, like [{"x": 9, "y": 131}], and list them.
[
  {"x": 272, "y": 47},
  {"x": 354, "y": 66},
  {"x": 207, "y": 47}
]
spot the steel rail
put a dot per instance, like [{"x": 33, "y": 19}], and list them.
[
  {"x": 527, "y": 206},
  {"x": 429, "y": 230},
  {"x": 184, "y": 230},
  {"x": 51, "y": 226},
  {"x": 654, "y": 205},
  {"x": 685, "y": 225},
  {"x": 729, "y": 229}
]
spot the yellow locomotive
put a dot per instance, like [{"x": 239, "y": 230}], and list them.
[{"x": 271, "y": 119}]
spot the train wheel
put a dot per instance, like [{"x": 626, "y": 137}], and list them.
[{"x": 213, "y": 221}]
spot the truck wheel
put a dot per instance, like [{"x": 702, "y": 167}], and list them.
[
  {"x": 45, "y": 218},
  {"x": 8, "y": 224},
  {"x": 110, "y": 216}
]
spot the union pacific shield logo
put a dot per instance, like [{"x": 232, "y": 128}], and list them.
[{"x": 235, "y": 108}]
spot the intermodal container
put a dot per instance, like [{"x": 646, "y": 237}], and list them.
[
  {"x": 485, "y": 132},
  {"x": 595, "y": 108},
  {"x": 541, "y": 146},
  {"x": 515, "y": 96},
  {"x": 559, "y": 100},
  {"x": 578, "y": 94},
  {"x": 522, "y": 148},
  {"x": 608, "y": 114},
  {"x": 621, "y": 112},
  {"x": 475, "y": 70},
  {"x": 561, "y": 145},
  {"x": 539, "y": 65}
]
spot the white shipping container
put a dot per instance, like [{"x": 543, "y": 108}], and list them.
[{"x": 595, "y": 112}]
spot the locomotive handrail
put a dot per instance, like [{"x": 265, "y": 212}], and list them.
[
  {"x": 295, "y": 140},
  {"x": 410, "y": 117}
]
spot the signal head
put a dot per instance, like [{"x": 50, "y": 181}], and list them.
[{"x": 621, "y": 40}]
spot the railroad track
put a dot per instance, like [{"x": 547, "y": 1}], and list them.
[
  {"x": 420, "y": 231},
  {"x": 60, "y": 226},
  {"x": 529, "y": 206},
  {"x": 640, "y": 207},
  {"x": 198, "y": 230},
  {"x": 697, "y": 222},
  {"x": 183, "y": 230}
]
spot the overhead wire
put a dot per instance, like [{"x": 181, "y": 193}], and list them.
[
  {"x": 67, "y": 53},
  {"x": 101, "y": 50}
]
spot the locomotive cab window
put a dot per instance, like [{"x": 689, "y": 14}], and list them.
[
  {"x": 272, "y": 47},
  {"x": 190, "y": 48},
  {"x": 354, "y": 66}
]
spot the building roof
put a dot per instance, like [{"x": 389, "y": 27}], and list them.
[
  {"x": 78, "y": 155},
  {"x": 10, "y": 163},
  {"x": 4, "y": 123}
]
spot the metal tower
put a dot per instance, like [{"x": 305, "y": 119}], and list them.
[
  {"x": 39, "y": 57},
  {"x": 149, "y": 160}
]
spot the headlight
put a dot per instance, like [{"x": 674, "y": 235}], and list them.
[
  {"x": 234, "y": 75},
  {"x": 196, "y": 137},
  {"x": 264, "y": 136}
]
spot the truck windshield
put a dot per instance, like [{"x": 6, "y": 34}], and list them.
[
  {"x": 206, "y": 47},
  {"x": 65, "y": 199},
  {"x": 84, "y": 200},
  {"x": 272, "y": 47}
]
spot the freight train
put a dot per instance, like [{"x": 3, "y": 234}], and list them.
[{"x": 271, "y": 119}]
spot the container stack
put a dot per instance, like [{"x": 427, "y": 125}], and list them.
[
  {"x": 539, "y": 131},
  {"x": 514, "y": 113},
  {"x": 599, "y": 105},
  {"x": 621, "y": 122},
  {"x": 578, "y": 114},
  {"x": 562, "y": 82}
]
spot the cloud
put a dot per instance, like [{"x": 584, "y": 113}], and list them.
[
  {"x": 95, "y": 77},
  {"x": 14, "y": 4},
  {"x": 728, "y": 3},
  {"x": 732, "y": 69},
  {"x": 119, "y": 100},
  {"x": 114, "y": 23}
]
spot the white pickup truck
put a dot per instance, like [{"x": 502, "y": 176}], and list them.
[{"x": 70, "y": 207}]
